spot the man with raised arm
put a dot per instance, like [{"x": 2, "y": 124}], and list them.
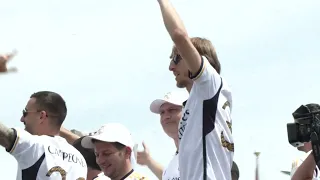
[
  {"x": 170, "y": 110},
  {"x": 40, "y": 152},
  {"x": 206, "y": 144}
]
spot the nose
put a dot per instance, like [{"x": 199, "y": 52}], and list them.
[
  {"x": 99, "y": 160},
  {"x": 165, "y": 117},
  {"x": 172, "y": 66},
  {"x": 22, "y": 119}
]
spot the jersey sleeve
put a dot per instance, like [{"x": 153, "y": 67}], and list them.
[
  {"x": 24, "y": 148},
  {"x": 207, "y": 80}
]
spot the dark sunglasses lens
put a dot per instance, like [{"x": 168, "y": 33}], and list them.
[
  {"x": 176, "y": 59},
  {"x": 24, "y": 113}
]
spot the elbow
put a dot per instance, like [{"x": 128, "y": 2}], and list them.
[{"x": 179, "y": 36}]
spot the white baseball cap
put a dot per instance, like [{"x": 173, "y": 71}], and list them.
[
  {"x": 173, "y": 97},
  {"x": 111, "y": 132}
]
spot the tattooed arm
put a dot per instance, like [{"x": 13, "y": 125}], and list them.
[{"x": 7, "y": 137}]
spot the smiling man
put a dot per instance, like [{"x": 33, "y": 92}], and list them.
[
  {"x": 205, "y": 138},
  {"x": 170, "y": 110},
  {"x": 113, "y": 147},
  {"x": 41, "y": 154}
]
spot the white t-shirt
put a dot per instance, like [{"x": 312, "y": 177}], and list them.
[
  {"x": 172, "y": 170},
  {"x": 206, "y": 144},
  {"x": 297, "y": 162},
  {"x": 47, "y": 158}
]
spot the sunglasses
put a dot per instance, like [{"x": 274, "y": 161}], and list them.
[
  {"x": 25, "y": 112},
  {"x": 176, "y": 59}
]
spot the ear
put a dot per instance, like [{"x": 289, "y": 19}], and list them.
[
  {"x": 43, "y": 116},
  {"x": 128, "y": 152}
]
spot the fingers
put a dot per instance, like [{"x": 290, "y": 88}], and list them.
[
  {"x": 9, "y": 56},
  {"x": 144, "y": 145}
]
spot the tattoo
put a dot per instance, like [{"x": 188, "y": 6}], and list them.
[{"x": 7, "y": 136}]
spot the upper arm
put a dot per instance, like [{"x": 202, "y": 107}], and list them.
[
  {"x": 295, "y": 164},
  {"x": 187, "y": 51},
  {"x": 68, "y": 135},
  {"x": 24, "y": 148},
  {"x": 8, "y": 137}
]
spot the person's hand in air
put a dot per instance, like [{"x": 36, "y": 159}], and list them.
[
  {"x": 4, "y": 59},
  {"x": 143, "y": 157}
]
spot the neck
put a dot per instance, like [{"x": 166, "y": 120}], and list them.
[
  {"x": 49, "y": 132},
  {"x": 126, "y": 169},
  {"x": 188, "y": 87},
  {"x": 92, "y": 173}
]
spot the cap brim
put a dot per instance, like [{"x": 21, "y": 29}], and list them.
[
  {"x": 156, "y": 104},
  {"x": 86, "y": 142}
]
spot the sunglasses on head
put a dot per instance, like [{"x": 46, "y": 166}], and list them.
[{"x": 176, "y": 59}]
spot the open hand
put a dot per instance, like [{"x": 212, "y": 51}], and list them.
[{"x": 4, "y": 59}]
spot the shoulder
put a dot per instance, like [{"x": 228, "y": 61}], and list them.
[{"x": 68, "y": 147}]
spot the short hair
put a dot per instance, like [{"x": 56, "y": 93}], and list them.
[
  {"x": 205, "y": 48},
  {"x": 53, "y": 104},
  {"x": 235, "y": 171}
]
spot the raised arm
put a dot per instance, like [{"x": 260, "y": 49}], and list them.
[
  {"x": 68, "y": 135},
  {"x": 179, "y": 35},
  {"x": 7, "y": 137},
  {"x": 306, "y": 169},
  {"x": 144, "y": 159}
]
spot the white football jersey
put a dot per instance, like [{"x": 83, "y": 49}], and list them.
[
  {"x": 101, "y": 176},
  {"x": 172, "y": 170},
  {"x": 132, "y": 175},
  {"x": 47, "y": 158},
  {"x": 206, "y": 144}
]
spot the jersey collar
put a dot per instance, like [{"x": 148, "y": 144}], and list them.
[{"x": 127, "y": 175}]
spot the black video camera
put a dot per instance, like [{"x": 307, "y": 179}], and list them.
[{"x": 306, "y": 128}]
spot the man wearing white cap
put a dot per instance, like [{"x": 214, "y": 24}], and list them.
[
  {"x": 113, "y": 146},
  {"x": 170, "y": 109},
  {"x": 74, "y": 137}
]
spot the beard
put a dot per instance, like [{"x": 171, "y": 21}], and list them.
[
  {"x": 181, "y": 85},
  {"x": 183, "y": 82}
]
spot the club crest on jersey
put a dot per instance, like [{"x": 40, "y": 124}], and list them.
[
  {"x": 229, "y": 126},
  {"x": 225, "y": 105},
  {"x": 226, "y": 144}
]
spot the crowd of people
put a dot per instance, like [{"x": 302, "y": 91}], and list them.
[{"x": 199, "y": 124}]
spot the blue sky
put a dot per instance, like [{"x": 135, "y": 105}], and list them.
[{"x": 109, "y": 59}]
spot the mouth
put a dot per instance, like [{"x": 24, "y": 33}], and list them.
[
  {"x": 168, "y": 123},
  {"x": 176, "y": 74},
  {"x": 105, "y": 167}
]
